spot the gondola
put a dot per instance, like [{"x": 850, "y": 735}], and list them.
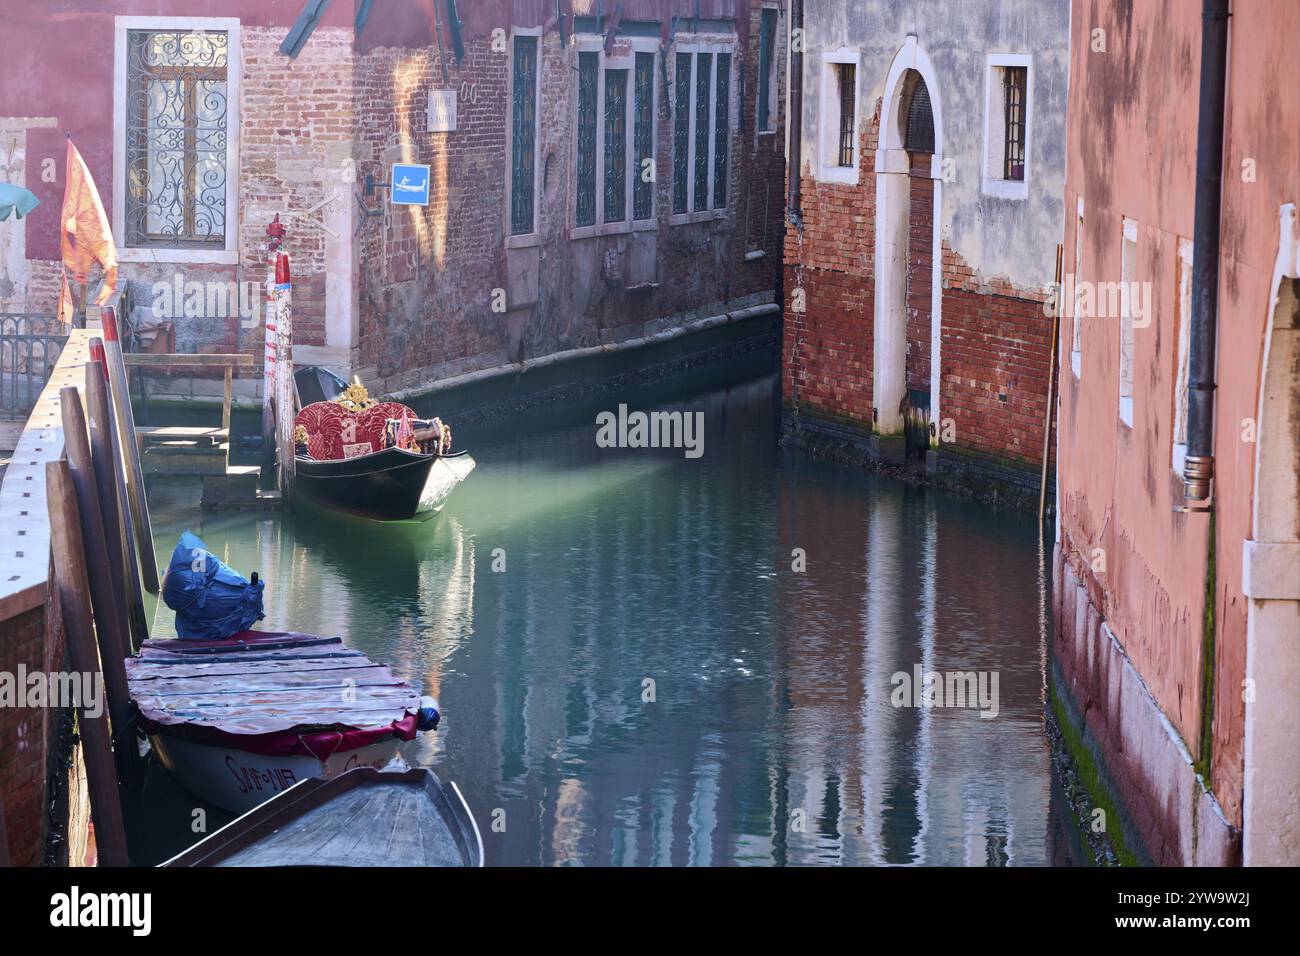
[
  {"x": 364, "y": 817},
  {"x": 373, "y": 459},
  {"x": 388, "y": 485}
]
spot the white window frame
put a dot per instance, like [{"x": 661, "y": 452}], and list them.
[
  {"x": 773, "y": 74},
  {"x": 533, "y": 237},
  {"x": 695, "y": 44},
  {"x": 1076, "y": 351},
  {"x": 1127, "y": 273},
  {"x": 624, "y": 60},
  {"x": 1182, "y": 371},
  {"x": 994, "y": 154},
  {"x": 828, "y": 139},
  {"x": 229, "y": 253}
]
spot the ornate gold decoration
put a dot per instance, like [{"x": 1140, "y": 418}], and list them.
[
  {"x": 299, "y": 435},
  {"x": 355, "y": 398}
]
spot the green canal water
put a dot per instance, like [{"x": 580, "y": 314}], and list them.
[{"x": 634, "y": 671}]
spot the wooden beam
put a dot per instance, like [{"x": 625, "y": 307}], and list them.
[
  {"x": 226, "y": 398},
  {"x": 120, "y": 394},
  {"x": 74, "y": 600},
  {"x": 108, "y": 603},
  {"x": 189, "y": 360},
  {"x": 111, "y": 482}
]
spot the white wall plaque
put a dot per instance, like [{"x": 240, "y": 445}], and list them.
[{"x": 442, "y": 111}]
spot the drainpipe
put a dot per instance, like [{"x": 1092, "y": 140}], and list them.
[
  {"x": 1198, "y": 471},
  {"x": 794, "y": 163}
]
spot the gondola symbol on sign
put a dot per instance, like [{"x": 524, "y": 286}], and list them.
[{"x": 410, "y": 184}]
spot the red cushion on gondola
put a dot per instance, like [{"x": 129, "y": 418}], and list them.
[{"x": 334, "y": 433}]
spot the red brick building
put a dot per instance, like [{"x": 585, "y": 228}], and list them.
[
  {"x": 918, "y": 264},
  {"x": 598, "y": 171}
]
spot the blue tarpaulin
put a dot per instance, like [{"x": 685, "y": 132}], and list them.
[{"x": 211, "y": 601}]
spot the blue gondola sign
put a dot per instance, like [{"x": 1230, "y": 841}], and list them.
[{"x": 410, "y": 184}]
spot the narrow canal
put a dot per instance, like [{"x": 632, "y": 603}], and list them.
[{"x": 636, "y": 665}]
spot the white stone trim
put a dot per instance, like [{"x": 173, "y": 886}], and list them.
[
  {"x": 1271, "y": 582},
  {"x": 229, "y": 255}
]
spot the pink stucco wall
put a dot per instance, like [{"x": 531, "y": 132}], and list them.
[{"x": 1132, "y": 153}]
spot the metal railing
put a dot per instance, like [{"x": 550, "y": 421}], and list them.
[{"x": 30, "y": 345}]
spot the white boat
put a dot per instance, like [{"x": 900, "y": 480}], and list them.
[{"x": 240, "y": 720}]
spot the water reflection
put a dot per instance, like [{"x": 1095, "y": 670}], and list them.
[{"x": 633, "y": 674}]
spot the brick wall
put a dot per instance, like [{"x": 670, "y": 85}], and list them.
[{"x": 996, "y": 338}]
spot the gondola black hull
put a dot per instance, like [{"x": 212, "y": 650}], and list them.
[{"x": 389, "y": 485}]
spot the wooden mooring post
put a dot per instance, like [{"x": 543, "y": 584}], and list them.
[
  {"x": 111, "y": 483},
  {"x": 70, "y": 581},
  {"x": 125, "y": 421}
]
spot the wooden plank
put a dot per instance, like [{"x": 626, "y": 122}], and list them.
[
  {"x": 111, "y": 628},
  {"x": 106, "y": 455},
  {"x": 181, "y": 433},
  {"x": 69, "y": 560},
  {"x": 189, "y": 360},
  {"x": 228, "y": 394},
  {"x": 121, "y": 396}
]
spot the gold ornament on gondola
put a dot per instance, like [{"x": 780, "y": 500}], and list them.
[{"x": 355, "y": 398}]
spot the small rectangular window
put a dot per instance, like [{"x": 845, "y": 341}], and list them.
[
  {"x": 1014, "y": 81},
  {"x": 1127, "y": 340},
  {"x": 846, "y": 74},
  {"x": 643, "y": 137},
  {"x": 1182, "y": 373},
  {"x": 523, "y": 135},
  {"x": 766, "y": 67},
  {"x": 588, "y": 78}
]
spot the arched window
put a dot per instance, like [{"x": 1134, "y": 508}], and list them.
[{"x": 918, "y": 136}]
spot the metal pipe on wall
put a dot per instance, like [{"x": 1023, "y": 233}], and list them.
[{"x": 1198, "y": 470}]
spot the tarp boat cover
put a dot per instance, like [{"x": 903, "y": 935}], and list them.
[{"x": 272, "y": 693}]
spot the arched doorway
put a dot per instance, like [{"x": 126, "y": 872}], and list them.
[
  {"x": 1271, "y": 834},
  {"x": 908, "y": 254}
]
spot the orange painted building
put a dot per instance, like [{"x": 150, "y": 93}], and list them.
[{"x": 1178, "y": 631}]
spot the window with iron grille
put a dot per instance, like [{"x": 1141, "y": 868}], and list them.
[
  {"x": 846, "y": 74},
  {"x": 1014, "y": 82},
  {"x": 588, "y": 66},
  {"x": 766, "y": 63},
  {"x": 700, "y": 186},
  {"x": 523, "y": 135},
  {"x": 615, "y": 145},
  {"x": 701, "y": 130},
  {"x": 176, "y": 138},
  {"x": 681, "y": 129},
  {"x": 721, "y": 130},
  {"x": 643, "y": 137}
]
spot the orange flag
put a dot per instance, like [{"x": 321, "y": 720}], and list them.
[{"x": 85, "y": 235}]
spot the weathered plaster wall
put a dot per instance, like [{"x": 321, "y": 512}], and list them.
[
  {"x": 1132, "y": 154},
  {"x": 997, "y": 237}
]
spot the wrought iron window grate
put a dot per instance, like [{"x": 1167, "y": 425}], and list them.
[
  {"x": 615, "y": 145},
  {"x": 766, "y": 55},
  {"x": 681, "y": 129},
  {"x": 176, "y": 138},
  {"x": 700, "y": 186},
  {"x": 588, "y": 64},
  {"x": 1014, "y": 85},
  {"x": 523, "y": 139},
  {"x": 920, "y": 120},
  {"x": 721, "y": 130},
  {"x": 643, "y": 137},
  {"x": 847, "y": 74}
]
